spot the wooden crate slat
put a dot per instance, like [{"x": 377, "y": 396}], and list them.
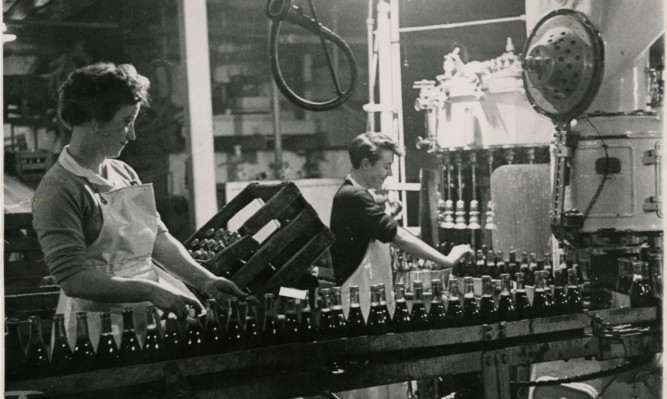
[
  {"x": 299, "y": 262},
  {"x": 34, "y": 301},
  {"x": 269, "y": 250},
  {"x": 273, "y": 207},
  {"x": 18, "y": 221},
  {"x": 228, "y": 256}
]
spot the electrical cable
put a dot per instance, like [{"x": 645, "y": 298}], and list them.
[
  {"x": 623, "y": 367},
  {"x": 605, "y": 176}
]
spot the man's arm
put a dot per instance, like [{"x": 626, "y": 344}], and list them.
[{"x": 409, "y": 243}]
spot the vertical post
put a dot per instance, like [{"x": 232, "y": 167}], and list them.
[
  {"x": 198, "y": 109},
  {"x": 277, "y": 133}
]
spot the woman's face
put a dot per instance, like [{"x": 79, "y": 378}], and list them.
[{"x": 112, "y": 136}]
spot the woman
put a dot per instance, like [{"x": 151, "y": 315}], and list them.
[{"x": 101, "y": 235}]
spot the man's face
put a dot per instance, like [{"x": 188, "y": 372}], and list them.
[{"x": 375, "y": 174}]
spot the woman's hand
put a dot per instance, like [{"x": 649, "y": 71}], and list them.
[
  {"x": 175, "y": 302},
  {"x": 220, "y": 288},
  {"x": 460, "y": 253}
]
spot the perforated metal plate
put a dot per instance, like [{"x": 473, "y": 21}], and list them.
[{"x": 563, "y": 65}]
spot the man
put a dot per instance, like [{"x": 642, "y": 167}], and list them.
[{"x": 363, "y": 230}]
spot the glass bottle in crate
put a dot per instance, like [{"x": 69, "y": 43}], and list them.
[
  {"x": 524, "y": 267},
  {"x": 481, "y": 266},
  {"x": 454, "y": 309},
  {"x": 14, "y": 351},
  {"x": 521, "y": 301},
  {"x": 470, "y": 307},
  {"x": 356, "y": 325},
  {"x": 251, "y": 328},
  {"x": 108, "y": 354},
  {"x": 233, "y": 330},
  {"x": 174, "y": 341},
  {"x": 646, "y": 277},
  {"x": 337, "y": 312},
  {"x": 487, "y": 305},
  {"x": 270, "y": 330},
  {"x": 418, "y": 315},
  {"x": 437, "y": 316},
  {"x": 62, "y": 360},
  {"x": 307, "y": 326},
  {"x": 505, "y": 302},
  {"x": 83, "y": 353},
  {"x": 153, "y": 350},
  {"x": 36, "y": 355},
  {"x": 291, "y": 331},
  {"x": 401, "y": 321},
  {"x": 492, "y": 265},
  {"x": 559, "y": 299}
]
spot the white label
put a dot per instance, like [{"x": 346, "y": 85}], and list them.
[{"x": 292, "y": 293}]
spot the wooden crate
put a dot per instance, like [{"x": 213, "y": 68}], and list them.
[{"x": 281, "y": 259}]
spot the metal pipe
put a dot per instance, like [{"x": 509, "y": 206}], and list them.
[
  {"x": 370, "y": 123},
  {"x": 397, "y": 100},
  {"x": 462, "y": 24}
]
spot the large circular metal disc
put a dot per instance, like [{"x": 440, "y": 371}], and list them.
[{"x": 563, "y": 65}]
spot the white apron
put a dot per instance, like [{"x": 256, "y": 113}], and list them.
[
  {"x": 375, "y": 268},
  {"x": 123, "y": 248}
]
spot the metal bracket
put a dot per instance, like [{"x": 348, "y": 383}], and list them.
[
  {"x": 496, "y": 373},
  {"x": 651, "y": 157},
  {"x": 652, "y": 204},
  {"x": 563, "y": 152}
]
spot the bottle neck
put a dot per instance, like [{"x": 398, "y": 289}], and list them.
[
  {"x": 106, "y": 324},
  {"x": 419, "y": 294},
  {"x": 354, "y": 297},
  {"x": 82, "y": 328},
  {"x": 35, "y": 331},
  {"x": 59, "y": 327},
  {"x": 128, "y": 320},
  {"x": 268, "y": 307}
]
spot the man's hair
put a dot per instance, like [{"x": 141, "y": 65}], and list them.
[
  {"x": 370, "y": 146},
  {"x": 98, "y": 91}
]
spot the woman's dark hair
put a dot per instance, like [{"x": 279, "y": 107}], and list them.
[
  {"x": 98, "y": 91},
  {"x": 369, "y": 145}
]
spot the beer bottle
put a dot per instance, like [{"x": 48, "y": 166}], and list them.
[
  {"x": 549, "y": 275},
  {"x": 532, "y": 265},
  {"x": 542, "y": 306},
  {"x": 233, "y": 330},
  {"x": 487, "y": 306},
  {"x": 454, "y": 316},
  {"x": 383, "y": 304},
  {"x": 437, "y": 317},
  {"x": 290, "y": 331},
  {"x": 307, "y": 327},
  {"x": 492, "y": 265},
  {"x": 153, "y": 350},
  {"x": 270, "y": 332},
  {"x": 327, "y": 327},
  {"x": 478, "y": 265},
  {"x": 174, "y": 342},
  {"x": 356, "y": 325},
  {"x": 83, "y": 353},
  {"x": 14, "y": 351},
  {"x": 107, "y": 350},
  {"x": 251, "y": 328},
  {"x": 500, "y": 263},
  {"x": 574, "y": 301},
  {"x": 401, "y": 321},
  {"x": 521, "y": 301},
  {"x": 505, "y": 303},
  {"x": 482, "y": 264},
  {"x": 418, "y": 315},
  {"x": 524, "y": 268},
  {"x": 62, "y": 360},
  {"x": 213, "y": 336},
  {"x": 513, "y": 265},
  {"x": 560, "y": 300},
  {"x": 129, "y": 349},
  {"x": 376, "y": 323},
  {"x": 194, "y": 342},
  {"x": 36, "y": 356},
  {"x": 337, "y": 312},
  {"x": 470, "y": 308}
]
